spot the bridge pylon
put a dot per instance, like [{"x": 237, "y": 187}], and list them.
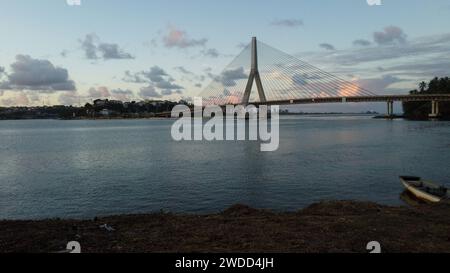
[{"x": 254, "y": 77}]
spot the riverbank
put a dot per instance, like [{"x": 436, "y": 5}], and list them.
[{"x": 342, "y": 226}]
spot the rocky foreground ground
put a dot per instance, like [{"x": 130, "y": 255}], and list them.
[{"x": 340, "y": 226}]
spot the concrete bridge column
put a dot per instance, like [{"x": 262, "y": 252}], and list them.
[
  {"x": 434, "y": 109},
  {"x": 390, "y": 108}
]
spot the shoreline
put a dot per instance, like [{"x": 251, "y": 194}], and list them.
[{"x": 332, "y": 226}]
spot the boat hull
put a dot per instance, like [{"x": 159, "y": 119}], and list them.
[{"x": 419, "y": 193}]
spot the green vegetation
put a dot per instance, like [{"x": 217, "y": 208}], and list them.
[
  {"x": 98, "y": 110},
  {"x": 421, "y": 110}
]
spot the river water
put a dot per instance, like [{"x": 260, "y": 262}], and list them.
[{"x": 87, "y": 168}]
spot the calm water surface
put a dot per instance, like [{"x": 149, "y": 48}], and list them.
[{"x": 81, "y": 169}]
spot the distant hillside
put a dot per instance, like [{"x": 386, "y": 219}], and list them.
[{"x": 421, "y": 110}]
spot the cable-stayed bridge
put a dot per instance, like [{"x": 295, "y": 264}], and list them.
[{"x": 281, "y": 79}]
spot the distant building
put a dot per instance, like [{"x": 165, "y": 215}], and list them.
[
  {"x": 105, "y": 112},
  {"x": 100, "y": 102},
  {"x": 115, "y": 102}
]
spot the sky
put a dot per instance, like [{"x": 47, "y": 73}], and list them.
[{"x": 55, "y": 53}]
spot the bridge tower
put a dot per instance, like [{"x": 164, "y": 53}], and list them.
[{"x": 254, "y": 76}]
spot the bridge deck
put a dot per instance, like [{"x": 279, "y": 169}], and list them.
[{"x": 385, "y": 98}]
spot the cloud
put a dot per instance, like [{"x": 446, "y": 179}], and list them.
[
  {"x": 168, "y": 85},
  {"x": 435, "y": 67},
  {"x": 229, "y": 77},
  {"x": 327, "y": 46},
  {"x": 89, "y": 46},
  {"x": 211, "y": 52},
  {"x": 159, "y": 82},
  {"x": 19, "y": 99},
  {"x": 95, "y": 49},
  {"x": 191, "y": 76},
  {"x": 176, "y": 38},
  {"x": 390, "y": 35},
  {"x": 122, "y": 94},
  {"x": 35, "y": 74},
  {"x": 292, "y": 23},
  {"x": 69, "y": 98},
  {"x": 156, "y": 74},
  {"x": 100, "y": 92},
  {"x": 168, "y": 92},
  {"x": 433, "y": 48},
  {"x": 361, "y": 42},
  {"x": 149, "y": 92},
  {"x": 157, "y": 77},
  {"x": 183, "y": 70},
  {"x": 122, "y": 91},
  {"x": 134, "y": 78},
  {"x": 112, "y": 51},
  {"x": 378, "y": 85}
]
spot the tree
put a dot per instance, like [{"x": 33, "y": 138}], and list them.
[
  {"x": 422, "y": 86},
  {"x": 421, "y": 110}
]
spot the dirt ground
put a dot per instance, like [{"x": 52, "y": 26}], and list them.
[{"x": 338, "y": 226}]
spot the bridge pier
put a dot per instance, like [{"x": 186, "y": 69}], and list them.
[
  {"x": 390, "y": 109},
  {"x": 434, "y": 109}
]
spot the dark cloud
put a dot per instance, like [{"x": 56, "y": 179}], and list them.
[
  {"x": 390, "y": 35},
  {"x": 327, "y": 46},
  {"x": 361, "y": 42},
  {"x": 230, "y": 76},
  {"x": 112, "y": 51},
  {"x": 89, "y": 46},
  {"x": 149, "y": 92},
  {"x": 34, "y": 74},
  {"x": 94, "y": 49},
  {"x": 176, "y": 38},
  {"x": 157, "y": 79},
  {"x": 292, "y": 23},
  {"x": 156, "y": 74},
  {"x": 167, "y": 85}
]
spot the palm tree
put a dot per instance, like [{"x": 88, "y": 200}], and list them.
[{"x": 422, "y": 86}]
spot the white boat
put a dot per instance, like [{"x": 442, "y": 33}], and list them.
[{"x": 425, "y": 190}]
